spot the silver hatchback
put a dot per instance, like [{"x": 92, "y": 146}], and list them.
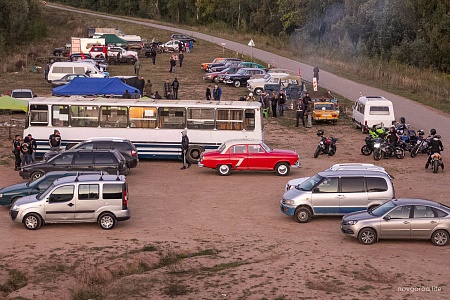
[{"x": 401, "y": 218}]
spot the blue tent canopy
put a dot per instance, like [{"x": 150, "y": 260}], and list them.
[{"x": 94, "y": 87}]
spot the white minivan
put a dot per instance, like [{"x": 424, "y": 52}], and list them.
[
  {"x": 372, "y": 110},
  {"x": 60, "y": 69}
]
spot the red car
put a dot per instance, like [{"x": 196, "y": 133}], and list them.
[{"x": 249, "y": 155}]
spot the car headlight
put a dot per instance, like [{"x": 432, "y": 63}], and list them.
[
  {"x": 289, "y": 202},
  {"x": 1, "y": 195},
  {"x": 15, "y": 207},
  {"x": 350, "y": 222}
]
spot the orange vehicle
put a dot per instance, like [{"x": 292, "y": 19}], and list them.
[
  {"x": 325, "y": 111},
  {"x": 216, "y": 60}
]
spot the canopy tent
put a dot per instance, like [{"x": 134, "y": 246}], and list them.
[
  {"x": 7, "y": 102},
  {"x": 112, "y": 39},
  {"x": 81, "y": 86}
]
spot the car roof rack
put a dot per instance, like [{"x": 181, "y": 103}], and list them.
[
  {"x": 76, "y": 178},
  {"x": 118, "y": 179},
  {"x": 101, "y": 176}
]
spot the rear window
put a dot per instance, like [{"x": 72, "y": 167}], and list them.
[
  {"x": 352, "y": 185},
  {"x": 379, "y": 110},
  {"x": 22, "y": 95},
  {"x": 121, "y": 146},
  {"x": 112, "y": 191},
  {"x": 376, "y": 184}
]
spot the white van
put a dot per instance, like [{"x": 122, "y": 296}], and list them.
[
  {"x": 59, "y": 69},
  {"x": 371, "y": 110}
]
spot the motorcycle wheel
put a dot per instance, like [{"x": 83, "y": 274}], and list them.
[
  {"x": 365, "y": 150},
  {"x": 332, "y": 150},
  {"x": 435, "y": 166},
  {"x": 316, "y": 154},
  {"x": 399, "y": 153},
  {"x": 377, "y": 154},
  {"x": 415, "y": 151}
]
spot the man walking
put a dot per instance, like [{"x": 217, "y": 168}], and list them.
[
  {"x": 175, "y": 86},
  {"x": 181, "y": 57},
  {"x": 184, "y": 149}
]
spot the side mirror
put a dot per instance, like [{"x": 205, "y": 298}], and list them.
[
  {"x": 316, "y": 190},
  {"x": 387, "y": 217}
]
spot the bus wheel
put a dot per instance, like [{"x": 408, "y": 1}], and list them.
[{"x": 194, "y": 153}]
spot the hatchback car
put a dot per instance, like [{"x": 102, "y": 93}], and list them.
[
  {"x": 110, "y": 161},
  {"x": 401, "y": 218},
  {"x": 325, "y": 111},
  {"x": 124, "y": 146},
  {"x": 9, "y": 194},
  {"x": 76, "y": 199},
  {"x": 249, "y": 155}
]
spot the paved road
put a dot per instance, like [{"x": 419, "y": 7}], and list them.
[{"x": 418, "y": 115}]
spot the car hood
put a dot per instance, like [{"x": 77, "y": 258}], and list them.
[
  {"x": 26, "y": 200},
  {"x": 33, "y": 165},
  {"x": 297, "y": 181},
  {"x": 358, "y": 216},
  {"x": 13, "y": 188}
]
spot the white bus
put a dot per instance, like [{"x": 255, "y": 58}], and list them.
[{"x": 154, "y": 126}]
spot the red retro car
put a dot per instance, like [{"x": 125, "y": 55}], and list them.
[{"x": 249, "y": 155}]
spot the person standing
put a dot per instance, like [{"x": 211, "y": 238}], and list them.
[
  {"x": 33, "y": 146},
  {"x": 172, "y": 64},
  {"x": 181, "y": 57},
  {"x": 217, "y": 92},
  {"x": 281, "y": 102},
  {"x": 55, "y": 140},
  {"x": 316, "y": 73},
  {"x": 191, "y": 45},
  {"x": 26, "y": 155},
  {"x": 208, "y": 92},
  {"x": 167, "y": 88},
  {"x": 184, "y": 149},
  {"x": 142, "y": 85},
  {"x": 175, "y": 86},
  {"x": 309, "y": 112},
  {"x": 16, "y": 151},
  {"x": 299, "y": 114},
  {"x": 137, "y": 66},
  {"x": 47, "y": 69},
  {"x": 153, "y": 54},
  {"x": 148, "y": 88},
  {"x": 274, "y": 101},
  {"x": 118, "y": 58}
]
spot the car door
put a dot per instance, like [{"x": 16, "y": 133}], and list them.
[
  {"x": 60, "y": 204},
  {"x": 423, "y": 222},
  {"x": 62, "y": 162},
  {"x": 396, "y": 223},
  {"x": 83, "y": 161},
  {"x": 87, "y": 202},
  {"x": 353, "y": 195},
  {"x": 325, "y": 196},
  {"x": 239, "y": 157},
  {"x": 258, "y": 158}
]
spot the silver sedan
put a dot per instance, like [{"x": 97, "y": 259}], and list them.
[{"x": 401, "y": 218}]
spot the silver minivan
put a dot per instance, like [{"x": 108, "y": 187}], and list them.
[
  {"x": 76, "y": 199},
  {"x": 337, "y": 193}
]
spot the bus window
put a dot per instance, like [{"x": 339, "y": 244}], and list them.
[
  {"x": 249, "y": 119},
  {"x": 172, "y": 117},
  {"x": 60, "y": 115},
  {"x": 84, "y": 116},
  {"x": 38, "y": 115},
  {"x": 143, "y": 117},
  {"x": 229, "y": 119},
  {"x": 114, "y": 116},
  {"x": 200, "y": 118}
]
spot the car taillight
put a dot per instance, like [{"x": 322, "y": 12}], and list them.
[
  {"x": 124, "y": 199},
  {"x": 133, "y": 152}
]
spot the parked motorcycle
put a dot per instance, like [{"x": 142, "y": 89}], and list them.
[
  {"x": 383, "y": 150},
  {"x": 378, "y": 131},
  {"x": 326, "y": 145},
  {"x": 421, "y": 145},
  {"x": 368, "y": 148},
  {"x": 436, "y": 162}
]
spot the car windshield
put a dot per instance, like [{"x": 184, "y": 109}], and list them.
[
  {"x": 36, "y": 182},
  {"x": 382, "y": 209},
  {"x": 309, "y": 183},
  {"x": 267, "y": 148}
]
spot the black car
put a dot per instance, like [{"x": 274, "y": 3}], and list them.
[
  {"x": 182, "y": 37},
  {"x": 66, "y": 79},
  {"x": 124, "y": 146},
  {"x": 240, "y": 77},
  {"x": 223, "y": 62},
  {"x": 110, "y": 161}
]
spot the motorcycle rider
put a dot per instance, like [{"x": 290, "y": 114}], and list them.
[
  {"x": 434, "y": 146},
  {"x": 392, "y": 138},
  {"x": 401, "y": 127}
]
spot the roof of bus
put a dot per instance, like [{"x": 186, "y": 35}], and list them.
[{"x": 142, "y": 101}]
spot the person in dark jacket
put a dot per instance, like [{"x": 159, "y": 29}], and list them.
[
  {"x": 434, "y": 146},
  {"x": 300, "y": 112},
  {"x": 126, "y": 95},
  {"x": 157, "y": 95},
  {"x": 175, "y": 86},
  {"x": 217, "y": 92},
  {"x": 16, "y": 150},
  {"x": 274, "y": 102},
  {"x": 167, "y": 87},
  {"x": 153, "y": 54},
  {"x": 281, "y": 102},
  {"x": 33, "y": 146},
  {"x": 181, "y": 57},
  {"x": 208, "y": 92},
  {"x": 184, "y": 149},
  {"x": 55, "y": 140}
]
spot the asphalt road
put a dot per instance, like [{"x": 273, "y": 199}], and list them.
[{"x": 416, "y": 114}]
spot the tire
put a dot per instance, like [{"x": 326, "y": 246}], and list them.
[
  {"x": 399, "y": 153},
  {"x": 258, "y": 91},
  {"x": 216, "y": 79},
  {"x": 107, "y": 221},
  {"x": 367, "y": 236},
  {"x": 237, "y": 83},
  {"x": 224, "y": 170},
  {"x": 194, "y": 153},
  {"x": 32, "y": 221},
  {"x": 282, "y": 169},
  {"x": 415, "y": 151},
  {"x": 435, "y": 165},
  {"x": 440, "y": 238},
  {"x": 365, "y": 150},
  {"x": 36, "y": 175},
  {"x": 332, "y": 150},
  {"x": 377, "y": 155},
  {"x": 317, "y": 152},
  {"x": 303, "y": 215}
]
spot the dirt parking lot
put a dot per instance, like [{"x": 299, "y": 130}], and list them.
[{"x": 196, "y": 235}]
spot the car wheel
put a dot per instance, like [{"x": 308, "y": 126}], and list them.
[
  {"x": 32, "y": 221},
  {"x": 303, "y": 215},
  {"x": 258, "y": 91},
  {"x": 365, "y": 150},
  {"x": 282, "y": 169},
  {"x": 107, "y": 221},
  {"x": 224, "y": 170},
  {"x": 440, "y": 238},
  {"x": 36, "y": 175},
  {"x": 216, "y": 79},
  {"x": 367, "y": 236},
  {"x": 237, "y": 83}
]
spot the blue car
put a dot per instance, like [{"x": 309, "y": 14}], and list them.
[{"x": 13, "y": 192}]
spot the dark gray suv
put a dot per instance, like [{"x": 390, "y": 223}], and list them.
[{"x": 110, "y": 161}]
